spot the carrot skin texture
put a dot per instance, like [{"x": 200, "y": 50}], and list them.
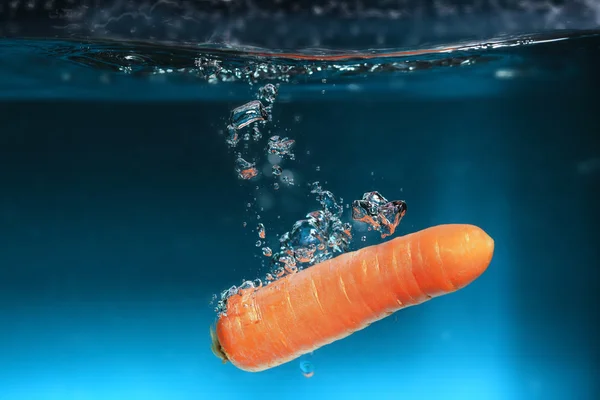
[{"x": 299, "y": 313}]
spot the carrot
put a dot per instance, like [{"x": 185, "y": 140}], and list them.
[{"x": 266, "y": 327}]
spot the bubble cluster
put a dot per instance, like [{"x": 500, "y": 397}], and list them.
[
  {"x": 268, "y": 93},
  {"x": 281, "y": 146},
  {"x": 318, "y": 237}
]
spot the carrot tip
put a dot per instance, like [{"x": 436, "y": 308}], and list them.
[{"x": 216, "y": 346}]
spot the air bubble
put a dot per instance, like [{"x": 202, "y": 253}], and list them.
[{"x": 261, "y": 231}]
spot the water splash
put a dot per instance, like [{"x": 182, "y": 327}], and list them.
[{"x": 314, "y": 24}]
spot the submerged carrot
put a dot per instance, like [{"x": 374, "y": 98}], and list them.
[{"x": 266, "y": 327}]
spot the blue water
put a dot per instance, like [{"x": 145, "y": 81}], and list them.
[{"x": 121, "y": 216}]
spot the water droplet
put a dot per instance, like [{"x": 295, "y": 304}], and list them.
[
  {"x": 307, "y": 368},
  {"x": 250, "y": 112},
  {"x": 245, "y": 169},
  {"x": 261, "y": 231}
]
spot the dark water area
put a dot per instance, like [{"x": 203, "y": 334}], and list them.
[{"x": 121, "y": 216}]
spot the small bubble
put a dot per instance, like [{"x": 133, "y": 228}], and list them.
[
  {"x": 307, "y": 369},
  {"x": 267, "y": 252},
  {"x": 248, "y": 205},
  {"x": 276, "y": 186},
  {"x": 318, "y": 168},
  {"x": 363, "y": 239},
  {"x": 277, "y": 170},
  {"x": 244, "y": 224},
  {"x": 258, "y": 243}
]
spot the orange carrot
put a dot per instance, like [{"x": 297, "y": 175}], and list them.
[{"x": 266, "y": 327}]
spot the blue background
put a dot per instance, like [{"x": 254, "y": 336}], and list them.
[{"x": 119, "y": 221}]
